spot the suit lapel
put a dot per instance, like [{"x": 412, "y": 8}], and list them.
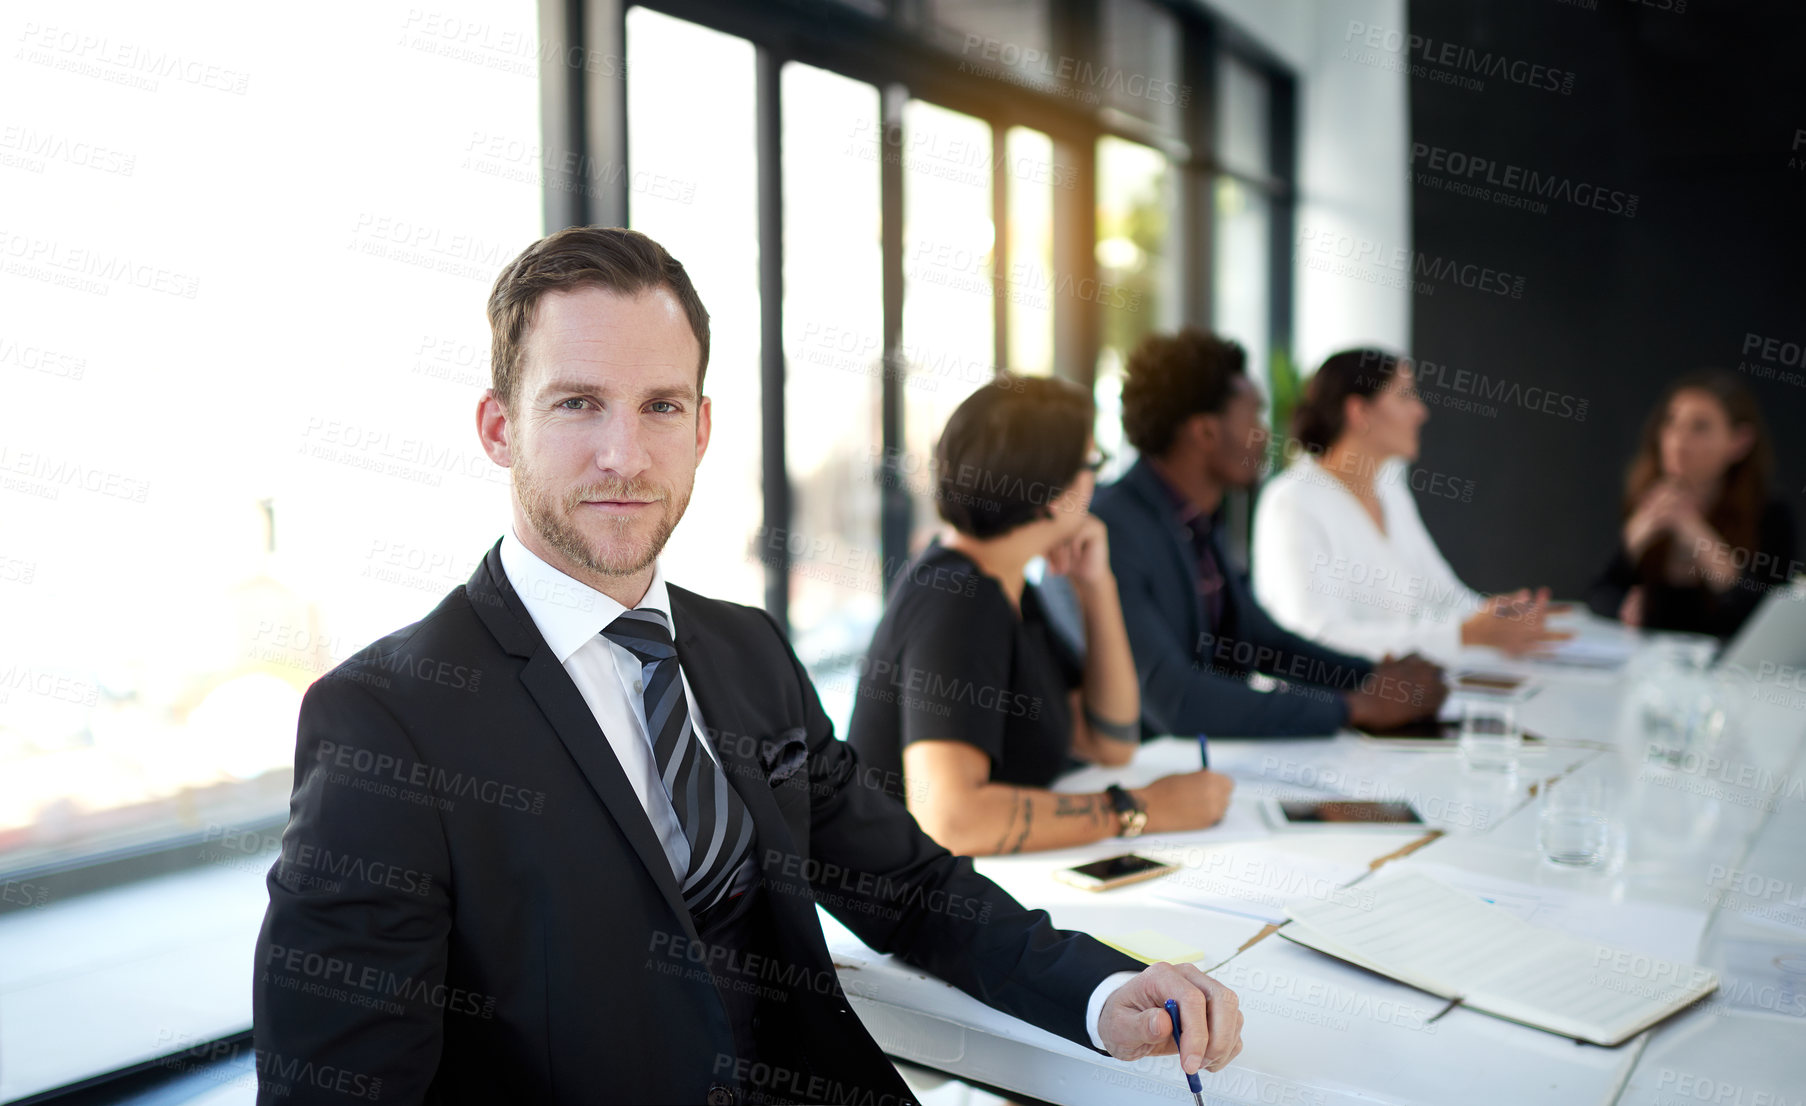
[
  {"x": 709, "y": 665},
  {"x": 496, "y": 603},
  {"x": 724, "y": 714},
  {"x": 1145, "y": 482}
]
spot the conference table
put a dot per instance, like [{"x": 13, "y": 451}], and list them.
[{"x": 1706, "y": 864}]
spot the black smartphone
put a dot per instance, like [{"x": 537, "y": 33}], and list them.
[
  {"x": 1113, "y": 871},
  {"x": 1342, "y": 812},
  {"x": 1429, "y": 731}
]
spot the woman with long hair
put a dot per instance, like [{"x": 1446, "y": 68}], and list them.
[
  {"x": 1701, "y": 541},
  {"x": 1341, "y": 554}
]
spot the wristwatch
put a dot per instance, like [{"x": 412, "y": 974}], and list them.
[{"x": 1132, "y": 816}]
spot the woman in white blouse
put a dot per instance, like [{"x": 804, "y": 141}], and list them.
[{"x": 1340, "y": 552}]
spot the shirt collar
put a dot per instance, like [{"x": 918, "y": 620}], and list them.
[
  {"x": 1184, "y": 509},
  {"x": 568, "y": 612}
]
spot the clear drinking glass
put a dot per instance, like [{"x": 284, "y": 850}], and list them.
[
  {"x": 1574, "y": 827},
  {"x": 1490, "y": 739},
  {"x": 1679, "y": 705}
]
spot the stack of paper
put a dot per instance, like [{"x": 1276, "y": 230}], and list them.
[
  {"x": 1583, "y": 652},
  {"x": 1253, "y": 881}
]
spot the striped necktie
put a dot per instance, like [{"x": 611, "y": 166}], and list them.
[{"x": 715, "y": 820}]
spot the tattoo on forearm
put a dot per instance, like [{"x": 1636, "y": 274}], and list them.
[
  {"x": 1075, "y": 806},
  {"x": 1028, "y": 818},
  {"x": 1015, "y": 805}
]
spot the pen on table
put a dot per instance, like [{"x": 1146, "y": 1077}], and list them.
[
  {"x": 1191, "y": 1080},
  {"x": 1454, "y": 1002}
]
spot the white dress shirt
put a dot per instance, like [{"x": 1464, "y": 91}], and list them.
[
  {"x": 571, "y": 615},
  {"x": 1324, "y": 570}
]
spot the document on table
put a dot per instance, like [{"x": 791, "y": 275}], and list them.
[
  {"x": 1150, "y": 946},
  {"x": 1582, "y": 652},
  {"x": 1423, "y": 932},
  {"x": 1670, "y": 932},
  {"x": 1486, "y": 684},
  {"x": 1254, "y": 881}
]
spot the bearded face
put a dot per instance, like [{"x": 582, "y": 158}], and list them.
[
  {"x": 604, "y": 430},
  {"x": 621, "y": 541}
]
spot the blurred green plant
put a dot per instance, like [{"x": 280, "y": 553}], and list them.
[
  {"x": 1133, "y": 314},
  {"x": 1284, "y": 388}
]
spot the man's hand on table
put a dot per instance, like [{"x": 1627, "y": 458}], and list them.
[
  {"x": 1399, "y": 691},
  {"x": 1134, "y": 1021}
]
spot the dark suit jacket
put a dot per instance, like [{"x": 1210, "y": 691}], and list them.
[
  {"x": 472, "y": 907},
  {"x": 1191, "y": 682}
]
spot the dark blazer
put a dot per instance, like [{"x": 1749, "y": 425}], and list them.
[
  {"x": 472, "y": 907},
  {"x": 1190, "y": 682}
]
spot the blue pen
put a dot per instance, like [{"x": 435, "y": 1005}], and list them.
[{"x": 1197, "y": 1088}]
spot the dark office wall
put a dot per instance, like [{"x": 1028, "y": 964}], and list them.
[{"x": 1700, "y": 114}]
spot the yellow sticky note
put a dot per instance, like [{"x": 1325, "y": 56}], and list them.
[{"x": 1150, "y": 946}]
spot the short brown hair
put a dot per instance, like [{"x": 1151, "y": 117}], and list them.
[
  {"x": 615, "y": 258},
  {"x": 1008, "y": 451},
  {"x": 1172, "y": 377}
]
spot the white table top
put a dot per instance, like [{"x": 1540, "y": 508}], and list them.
[
  {"x": 1711, "y": 865},
  {"x": 1713, "y": 859}
]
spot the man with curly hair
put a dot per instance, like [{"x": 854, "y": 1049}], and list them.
[{"x": 1197, "y": 633}]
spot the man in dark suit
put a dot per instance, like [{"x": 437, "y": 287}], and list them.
[
  {"x": 562, "y": 840},
  {"x": 1192, "y": 413}
]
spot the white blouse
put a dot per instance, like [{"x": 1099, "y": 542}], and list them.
[{"x": 1322, "y": 568}]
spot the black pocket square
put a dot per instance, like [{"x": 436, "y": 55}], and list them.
[{"x": 784, "y": 755}]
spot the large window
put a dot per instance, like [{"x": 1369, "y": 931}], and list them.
[
  {"x": 244, "y": 277},
  {"x": 950, "y": 265},
  {"x": 1011, "y": 35},
  {"x": 834, "y": 365},
  {"x": 1243, "y": 264},
  {"x": 962, "y": 188},
  {"x": 232, "y": 459},
  {"x": 1031, "y": 178},
  {"x": 1138, "y": 248},
  {"x": 1142, "y": 45},
  {"x": 693, "y": 158}
]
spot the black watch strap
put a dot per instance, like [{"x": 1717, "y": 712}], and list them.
[
  {"x": 1121, "y": 801},
  {"x": 1131, "y": 816}
]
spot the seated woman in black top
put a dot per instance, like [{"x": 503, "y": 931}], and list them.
[
  {"x": 1702, "y": 542},
  {"x": 968, "y": 700}
]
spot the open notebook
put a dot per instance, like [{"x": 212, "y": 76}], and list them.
[{"x": 1425, "y": 933}]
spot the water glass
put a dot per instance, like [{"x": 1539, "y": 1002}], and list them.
[
  {"x": 1490, "y": 739},
  {"x": 1574, "y": 828},
  {"x": 1680, "y": 705}
]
